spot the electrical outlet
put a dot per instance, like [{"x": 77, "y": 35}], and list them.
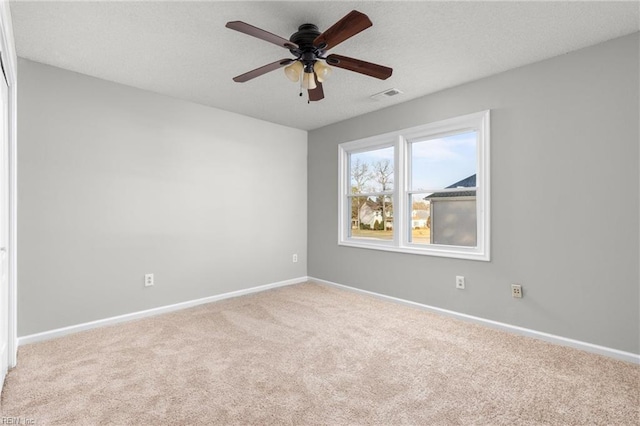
[
  {"x": 516, "y": 291},
  {"x": 460, "y": 282},
  {"x": 295, "y": 258},
  {"x": 148, "y": 280}
]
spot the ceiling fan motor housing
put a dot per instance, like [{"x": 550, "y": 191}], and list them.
[{"x": 307, "y": 52}]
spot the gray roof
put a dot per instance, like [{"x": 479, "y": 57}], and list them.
[{"x": 466, "y": 182}]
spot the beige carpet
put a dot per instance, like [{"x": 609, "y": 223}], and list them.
[{"x": 310, "y": 354}]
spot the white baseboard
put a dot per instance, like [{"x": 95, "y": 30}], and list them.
[
  {"x": 59, "y": 332},
  {"x": 563, "y": 341},
  {"x": 551, "y": 338}
]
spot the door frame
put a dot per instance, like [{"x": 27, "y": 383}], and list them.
[{"x": 10, "y": 64}]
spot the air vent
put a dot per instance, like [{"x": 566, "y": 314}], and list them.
[{"x": 386, "y": 94}]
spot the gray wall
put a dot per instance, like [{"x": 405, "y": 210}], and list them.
[
  {"x": 564, "y": 170},
  {"x": 115, "y": 182}
]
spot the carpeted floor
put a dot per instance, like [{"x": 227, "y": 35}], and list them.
[{"x": 310, "y": 354}]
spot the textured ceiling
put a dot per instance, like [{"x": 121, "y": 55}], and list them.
[{"x": 182, "y": 49}]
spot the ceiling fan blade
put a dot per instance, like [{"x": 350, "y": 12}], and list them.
[
  {"x": 243, "y": 27},
  {"x": 316, "y": 94},
  {"x": 345, "y": 28},
  {"x": 362, "y": 67},
  {"x": 262, "y": 70}
]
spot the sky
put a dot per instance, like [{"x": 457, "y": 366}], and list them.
[{"x": 435, "y": 163}]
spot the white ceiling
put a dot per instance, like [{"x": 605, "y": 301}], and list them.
[{"x": 182, "y": 49}]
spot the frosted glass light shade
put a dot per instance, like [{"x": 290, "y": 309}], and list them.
[
  {"x": 293, "y": 71},
  {"x": 308, "y": 82},
  {"x": 322, "y": 71}
]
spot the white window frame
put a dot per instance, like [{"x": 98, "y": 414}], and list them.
[{"x": 401, "y": 141}]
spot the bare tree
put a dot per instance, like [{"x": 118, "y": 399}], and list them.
[
  {"x": 360, "y": 176},
  {"x": 383, "y": 175}
]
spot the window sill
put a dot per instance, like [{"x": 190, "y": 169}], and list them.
[{"x": 442, "y": 251}]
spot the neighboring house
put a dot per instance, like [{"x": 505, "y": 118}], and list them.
[
  {"x": 371, "y": 211},
  {"x": 419, "y": 219},
  {"x": 453, "y": 215}
]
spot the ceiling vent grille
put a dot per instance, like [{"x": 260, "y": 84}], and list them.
[{"x": 386, "y": 94}]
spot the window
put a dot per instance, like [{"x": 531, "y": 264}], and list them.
[{"x": 423, "y": 190}]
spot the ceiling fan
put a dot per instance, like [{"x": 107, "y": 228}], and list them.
[{"x": 309, "y": 46}]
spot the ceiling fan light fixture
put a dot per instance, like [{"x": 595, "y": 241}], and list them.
[
  {"x": 322, "y": 71},
  {"x": 308, "y": 45},
  {"x": 308, "y": 81},
  {"x": 293, "y": 71}
]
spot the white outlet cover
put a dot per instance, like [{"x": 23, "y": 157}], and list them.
[
  {"x": 460, "y": 282},
  {"x": 516, "y": 291}
]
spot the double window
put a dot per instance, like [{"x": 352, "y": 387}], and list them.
[{"x": 423, "y": 190}]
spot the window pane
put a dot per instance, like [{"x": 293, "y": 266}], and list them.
[
  {"x": 372, "y": 217},
  {"x": 446, "y": 162},
  {"x": 371, "y": 171},
  {"x": 451, "y": 218}
]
